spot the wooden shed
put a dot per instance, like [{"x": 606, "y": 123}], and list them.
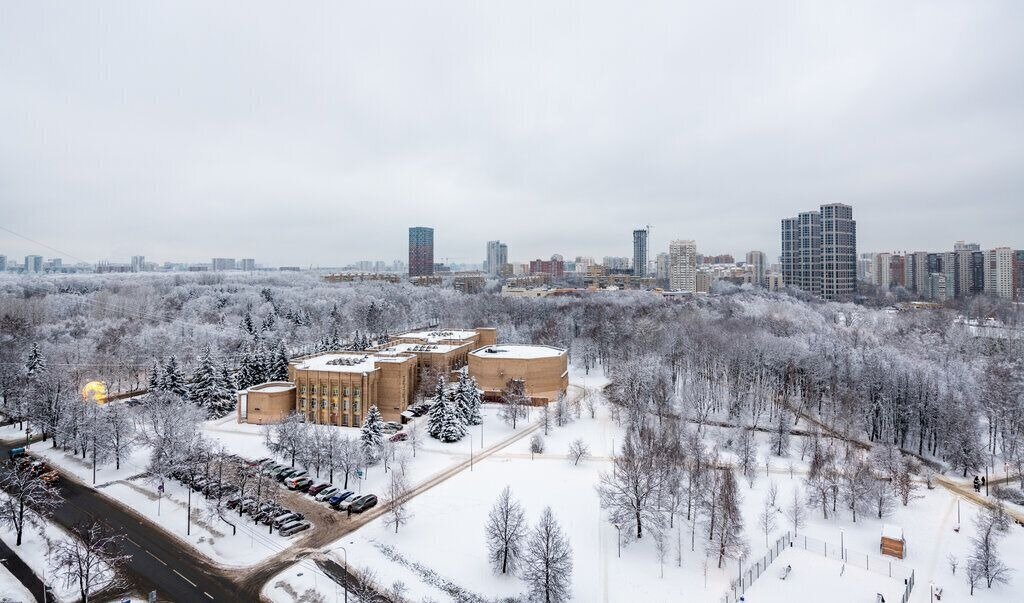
[{"x": 893, "y": 543}]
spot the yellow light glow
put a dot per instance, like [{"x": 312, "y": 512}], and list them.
[{"x": 95, "y": 391}]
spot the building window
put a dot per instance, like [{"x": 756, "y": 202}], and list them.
[{"x": 334, "y": 390}]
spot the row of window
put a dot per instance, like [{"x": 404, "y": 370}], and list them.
[
  {"x": 335, "y": 390},
  {"x": 345, "y": 407}
]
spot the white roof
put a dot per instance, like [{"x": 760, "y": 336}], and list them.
[
  {"x": 520, "y": 352},
  {"x": 435, "y": 336},
  {"x": 338, "y": 363},
  {"x": 272, "y": 388},
  {"x": 431, "y": 348},
  {"x": 892, "y": 532}
]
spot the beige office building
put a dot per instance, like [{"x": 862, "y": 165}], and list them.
[{"x": 543, "y": 369}]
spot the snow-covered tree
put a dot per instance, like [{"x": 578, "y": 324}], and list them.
[
  {"x": 287, "y": 437},
  {"x": 90, "y": 559},
  {"x": 727, "y": 540},
  {"x": 27, "y": 500},
  {"x": 514, "y": 402},
  {"x": 371, "y": 438},
  {"x": 578, "y": 451},
  {"x": 547, "y": 562},
  {"x": 630, "y": 492},
  {"x": 467, "y": 399},
  {"x": 506, "y": 530},
  {"x": 397, "y": 496},
  {"x": 171, "y": 379},
  {"x": 279, "y": 365},
  {"x": 35, "y": 364}
]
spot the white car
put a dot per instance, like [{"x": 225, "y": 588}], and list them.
[{"x": 327, "y": 492}]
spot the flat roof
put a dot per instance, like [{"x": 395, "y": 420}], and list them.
[
  {"x": 272, "y": 387},
  {"x": 339, "y": 363},
  {"x": 520, "y": 352},
  {"x": 439, "y": 335},
  {"x": 419, "y": 348}
]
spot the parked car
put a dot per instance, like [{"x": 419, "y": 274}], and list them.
[
  {"x": 234, "y": 501},
  {"x": 278, "y": 470},
  {"x": 363, "y": 503},
  {"x": 401, "y": 436},
  {"x": 316, "y": 488},
  {"x": 340, "y": 498},
  {"x": 50, "y": 476},
  {"x": 394, "y": 425},
  {"x": 294, "y": 528},
  {"x": 288, "y": 518},
  {"x": 345, "y": 504},
  {"x": 327, "y": 493},
  {"x": 288, "y": 472},
  {"x": 300, "y": 484},
  {"x": 16, "y": 453}
]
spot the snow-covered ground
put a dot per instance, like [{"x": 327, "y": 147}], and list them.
[
  {"x": 11, "y": 590},
  {"x": 251, "y": 544},
  {"x": 444, "y": 541},
  {"x": 33, "y": 551}
]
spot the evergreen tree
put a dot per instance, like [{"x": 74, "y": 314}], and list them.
[
  {"x": 247, "y": 324},
  {"x": 203, "y": 388},
  {"x": 468, "y": 400},
  {"x": 279, "y": 365},
  {"x": 372, "y": 437},
  {"x": 154, "y": 377},
  {"x": 35, "y": 363},
  {"x": 254, "y": 368},
  {"x": 451, "y": 425},
  {"x": 171, "y": 380}
]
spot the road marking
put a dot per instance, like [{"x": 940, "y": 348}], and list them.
[
  {"x": 133, "y": 542},
  {"x": 155, "y": 557},
  {"x": 184, "y": 578},
  {"x": 208, "y": 595}
]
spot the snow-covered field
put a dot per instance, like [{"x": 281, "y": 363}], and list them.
[
  {"x": 444, "y": 541},
  {"x": 11, "y": 590}
]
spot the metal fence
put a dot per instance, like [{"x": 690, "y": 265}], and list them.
[
  {"x": 872, "y": 563},
  {"x": 754, "y": 570}
]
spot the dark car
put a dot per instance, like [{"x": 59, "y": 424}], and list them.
[
  {"x": 401, "y": 436},
  {"x": 363, "y": 503},
  {"x": 315, "y": 489},
  {"x": 337, "y": 499}
]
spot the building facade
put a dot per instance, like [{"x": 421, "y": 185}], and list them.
[
  {"x": 497, "y": 256},
  {"x": 683, "y": 265},
  {"x": 544, "y": 370},
  {"x": 999, "y": 272},
  {"x": 756, "y": 261},
  {"x": 33, "y": 264},
  {"x": 819, "y": 251},
  {"x": 421, "y": 251},
  {"x": 640, "y": 252}
]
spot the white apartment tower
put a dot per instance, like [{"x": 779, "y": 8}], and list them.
[
  {"x": 682, "y": 261},
  {"x": 999, "y": 272},
  {"x": 756, "y": 261}
]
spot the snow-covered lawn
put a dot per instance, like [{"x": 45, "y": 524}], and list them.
[
  {"x": 33, "y": 551},
  {"x": 11, "y": 590},
  {"x": 818, "y": 578},
  {"x": 444, "y": 541}
]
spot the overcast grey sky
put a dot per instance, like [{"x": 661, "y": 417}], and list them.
[{"x": 317, "y": 133}]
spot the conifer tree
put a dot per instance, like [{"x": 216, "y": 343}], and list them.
[
  {"x": 35, "y": 363},
  {"x": 279, "y": 365},
  {"x": 171, "y": 380},
  {"x": 154, "y": 377},
  {"x": 372, "y": 437},
  {"x": 202, "y": 389}
]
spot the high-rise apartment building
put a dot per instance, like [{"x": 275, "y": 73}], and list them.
[
  {"x": 3, "y": 264},
  {"x": 682, "y": 266},
  {"x": 819, "y": 251},
  {"x": 223, "y": 264},
  {"x": 882, "y": 269},
  {"x": 756, "y": 261},
  {"x": 247, "y": 264},
  {"x": 421, "y": 251},
  {"x": 33, "y": 264},
  {"x": 640, "y": 252},
  {"x": 999, "y": 272},
  {"x": 138, "y": 263},
  {"x": 497, "y": 256},
  {"x": 661, "y": 266}
]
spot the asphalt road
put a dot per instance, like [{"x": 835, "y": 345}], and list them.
[{"x": 158, "y": 561}]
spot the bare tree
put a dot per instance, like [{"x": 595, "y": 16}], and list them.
[
  {"x": 26, "y": 499},
  {"x": 773, "y": 494},
  {"x": 548, "y": 561},
  {"x": 287, "y": 437},
  {"x": 119, "y": 431},
  {"x": 90, "y": 558},
  {"x": 882, "y": 502},
  {"x": 630, "y": 491},
  {"x": 727, "y": 536},
  {"x": 590, "y": 400},
  {"x": 857, "y": 480},
  {"x": 398, "y": 513},
  {"x": 506, "y": 529},
  {"x": 536, "y": 444},
  {"x": 746, "y": 455},
  {"x": 349, "y": 457},
  {"x": 795, "y": 512},
  {"x": 563, "y": 413},
  {"x": 766, "y": 519},
  {"x": 414, "y": 437},
  {"x": 515, "y": 402},
  {"x": 990, "y": 526},
  {"x": 578, "y": 451}
]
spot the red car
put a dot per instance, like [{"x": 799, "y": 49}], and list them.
[
  {"x": 316, "y": 488},
  {"x": 401, "y": 436}
]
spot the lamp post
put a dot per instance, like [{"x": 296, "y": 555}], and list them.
[
  {"x": 343, "y": 550},
  {"x": 618, "y": 538}
]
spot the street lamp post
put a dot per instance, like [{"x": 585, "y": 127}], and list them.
[{"x": 343, "y": 550}]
